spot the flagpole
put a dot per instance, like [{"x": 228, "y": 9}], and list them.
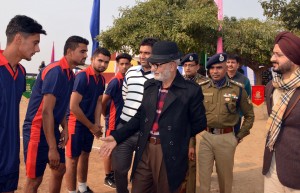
[
  {"x": 52, "y": 54},
  {"x": 95, "y": 23},
  {"x": 220, "y": 18}
]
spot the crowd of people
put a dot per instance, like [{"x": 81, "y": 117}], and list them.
[{"x": 150, "y": 109}]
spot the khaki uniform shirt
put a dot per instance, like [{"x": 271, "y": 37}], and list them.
[
  {"x": 198, "y": 79},
  {"x": 222, "y": 106}
]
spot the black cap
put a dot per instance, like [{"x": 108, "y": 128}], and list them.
[
  {"x": 189, "y": 58},
  {"x": 216, "y": 59}
]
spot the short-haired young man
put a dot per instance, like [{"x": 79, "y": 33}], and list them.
[
  {"x": 43, "y": 141},
  {"x": 84, "y": 119},
  {"x": 190, "y": 63},
  {"x": 132, "y": 91},
  {"x": 112, "y": 104},
  {"x": 23, "y": 38},
  {"x": 233, "y": 64}
]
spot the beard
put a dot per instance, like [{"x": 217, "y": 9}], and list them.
[
  {"x": 277, "y": 71},
  {"x": 163, "y": 76},
  {"x": 283, "y": 68},
  {"x": 100, "y": 69}
]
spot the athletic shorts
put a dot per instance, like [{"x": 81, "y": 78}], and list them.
[
  {"x": 80, "y": 139},
  {"x": 9, "y": 182},
  {"x": 36, "y": 156}
]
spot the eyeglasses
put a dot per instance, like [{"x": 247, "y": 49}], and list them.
[
  {"x": 156, "y": 65},
  {"x": 189, "y": 65}
]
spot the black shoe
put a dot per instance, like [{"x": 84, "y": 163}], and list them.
[
  {"x": 88, "y": 190},
  {"x": 110, "y": 181}
]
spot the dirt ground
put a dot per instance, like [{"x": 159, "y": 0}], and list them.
[{"x": 247, "y": 167}]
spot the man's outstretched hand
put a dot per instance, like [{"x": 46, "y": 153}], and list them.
[{"x": 109, "y": 143}]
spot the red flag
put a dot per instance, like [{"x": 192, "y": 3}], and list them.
[
  {"x": 52, "y": 54},
  {"x": 258, "y": 94}
]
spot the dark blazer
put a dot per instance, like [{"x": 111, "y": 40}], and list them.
[
  {"x": 287, "y": 146},
  {"x": 182, "y": 117}
]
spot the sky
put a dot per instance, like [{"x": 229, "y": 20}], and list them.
[{"x": 64, "y": 18}]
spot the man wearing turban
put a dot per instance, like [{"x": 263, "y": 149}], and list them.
[{"x": 281, "y": 165}]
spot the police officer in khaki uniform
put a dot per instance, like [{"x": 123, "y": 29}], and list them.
[
  {"x": 190, "y": 63},
  {"x": 222, "y": 100}
]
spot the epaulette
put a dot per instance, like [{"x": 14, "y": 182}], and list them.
[
  {"x": 204, "y": 82},
  {"x": 237, "y": 83}
]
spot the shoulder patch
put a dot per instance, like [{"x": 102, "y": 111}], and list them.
[
  {"x": 204, "y": 82},
  {"x": 237, "y": 83}
]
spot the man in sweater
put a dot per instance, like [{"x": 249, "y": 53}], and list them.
[
  {"x": 132, "y": 91},
  {"x": 112, "y": 104},
  {"x": 281, "y": 158}
]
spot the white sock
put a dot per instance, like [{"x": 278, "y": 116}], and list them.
[
  {"x": 74, "y": 191},
  {"x": 82, "y": 186}
]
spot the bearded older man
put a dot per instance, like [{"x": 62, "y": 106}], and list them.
[
  {"x": 171, "y": 113},
  {"x": 281, "y": 165}
]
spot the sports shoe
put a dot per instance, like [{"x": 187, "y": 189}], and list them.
[
  {"x": 110, "y": 181},
  {"x": 88, "y": 190}
]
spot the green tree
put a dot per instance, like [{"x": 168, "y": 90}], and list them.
[
  {"x": 285, "y": 11},
  {"x": 191, "y": 23},
  {"x": 252, "y": 40}
]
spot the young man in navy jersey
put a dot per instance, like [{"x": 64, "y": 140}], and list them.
[
  {"x": 112, "y": 104},
  {"x": 84, "y": 119},
  {"x": 43, "y": 141},
  {"x": 23, "y": 38}
]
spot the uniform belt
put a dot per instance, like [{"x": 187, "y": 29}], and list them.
[
  {"x": 219, "y": 131},
  {"x": 154, "y": 139}
]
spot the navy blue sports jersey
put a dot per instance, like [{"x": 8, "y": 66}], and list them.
[
  {"x": 90, "y": 87},
  {"x": 57, "y": 79},
  {"x": 12, "y": 85},
  {"x": 115, "y": 104}
]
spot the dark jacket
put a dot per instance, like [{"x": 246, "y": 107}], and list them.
[
  {"x": 182, "y": 117},
  {"x": 287, "y": 146}
]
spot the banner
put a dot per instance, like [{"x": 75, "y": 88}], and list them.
[
  {"x": 29, "y": 84},
  {"x": 258, "y": 95}
]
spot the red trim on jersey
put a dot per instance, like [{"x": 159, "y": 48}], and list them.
[
  {"x": 4, "y": 62},
  {"x": 112, "y": 110},
  {"x": 32, "y": 150},
  {"x": 63, "y": 63},
  {"x": 119, "y": 76},
  {"x": 48, "y": 68},
  {"x": 90, "y": 72},
  {"x": 22, "y": 69},
  {"x": 112, "y": 118},
  {"x": 71, "y": 129}
]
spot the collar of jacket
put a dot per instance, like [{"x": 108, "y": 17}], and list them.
[{"x": 226, "y": 84}]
